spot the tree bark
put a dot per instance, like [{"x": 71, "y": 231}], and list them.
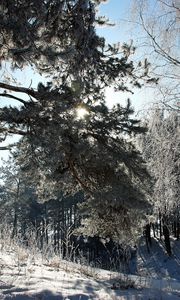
[
  {"x": 24, "y": 90},
  {"x": 14, "y": 231},
  {"x": 167, "y": 239},
  {"x": 148, "y": 236},
  {"x": 160, "y": 225}
]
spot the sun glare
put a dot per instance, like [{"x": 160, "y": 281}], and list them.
[{"x": 81, "y": 112}]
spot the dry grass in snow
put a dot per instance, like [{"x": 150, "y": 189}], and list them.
[{"x": 28, "y": 275}]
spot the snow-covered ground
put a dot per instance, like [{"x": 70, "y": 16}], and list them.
[{"x": 23, "y": 276}]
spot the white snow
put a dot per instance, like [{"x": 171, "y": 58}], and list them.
[{"x": 23, "y": 276}]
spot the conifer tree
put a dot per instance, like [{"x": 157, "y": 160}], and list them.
[{"x": 70, "y": 139}]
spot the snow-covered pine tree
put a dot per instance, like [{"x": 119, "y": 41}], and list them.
[{"x": 58, "y": 38}]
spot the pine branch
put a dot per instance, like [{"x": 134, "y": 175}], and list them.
[
  {"x": 17, "y": 131},
  {"x": 18, "y": 89},
  {"x": 13, "y": 131},
  {"x": 8, "y": 147},
  {"x": 76, "y": 176},
  {"x": 13, "y": 97}
]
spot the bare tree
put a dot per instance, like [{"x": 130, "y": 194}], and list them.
[
  {"x": 160, "y": 148},
  {"x": 159, "y": 20}
]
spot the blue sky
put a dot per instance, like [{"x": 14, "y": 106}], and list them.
[
  {"x": 115, "y": 11},
  {"x": 119, "y": 13}
]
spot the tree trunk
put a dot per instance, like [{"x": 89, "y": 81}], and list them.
[
  {"x": 178, "y": 230},
  {"x": 148, "y": 236},
  {"x": 46, "y": 225},
  {"x": 55, "y": 237},
  {"x": 42, "y": 234},
  {"x": 175, "y": 228},
  {"x": 167, "y": 239},
  {"x": 14, "y": 231},
  {"x": 154, "y": 229},
  {"x": 160, "y": 225}
]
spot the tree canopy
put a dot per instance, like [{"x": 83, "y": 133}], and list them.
[{"x": 94, "y": 153}]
